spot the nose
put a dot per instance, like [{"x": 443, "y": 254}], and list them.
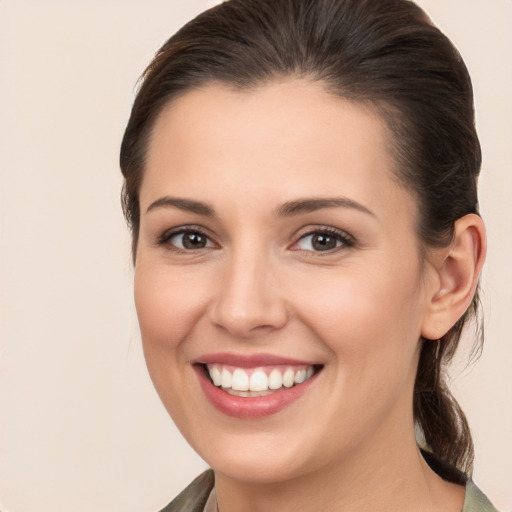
[{"x": 250, "y": 301}]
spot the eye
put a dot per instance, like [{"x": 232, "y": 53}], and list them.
[
  {"x": 186, "y": 240},
  {"x": 323, "y": 241}
]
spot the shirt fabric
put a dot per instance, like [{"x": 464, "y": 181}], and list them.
[{"x": 199, "y": 496}]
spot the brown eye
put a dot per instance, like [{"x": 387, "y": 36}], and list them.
[
  {"x": 190, "y": 240},
  {"x": 324, "y": 241},
  {"x": 194, "y": 240}
]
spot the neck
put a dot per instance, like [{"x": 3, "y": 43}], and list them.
[{"x": 386, "y": 477}]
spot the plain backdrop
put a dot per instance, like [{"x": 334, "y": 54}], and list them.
[{"x": 81, "y": 427}]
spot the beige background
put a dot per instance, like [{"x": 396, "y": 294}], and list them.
[{"x": 81, "y": 428}]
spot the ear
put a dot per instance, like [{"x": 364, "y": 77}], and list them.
[{"x": 457, "y": 269}]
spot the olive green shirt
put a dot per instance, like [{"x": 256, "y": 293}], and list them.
[{"x": 199, "y": 496}]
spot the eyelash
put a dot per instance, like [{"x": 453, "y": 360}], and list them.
[
  {"x": 166, "y": 236},
  {"x": 344, "y": 238}
]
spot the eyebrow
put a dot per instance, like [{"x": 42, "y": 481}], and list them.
[
  {"x": 288, "y": 209},
  {"x": 187, "y": 205},
  {"x": 308, "y": 205}
]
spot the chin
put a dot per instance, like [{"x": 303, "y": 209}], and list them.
[
  {"x": 258, "y": 458},
  {"x": 256, "y": 468}
]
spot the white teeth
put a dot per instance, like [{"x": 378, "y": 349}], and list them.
[
  {"x": 248, "y": 393},
  {"x": 240, "y": 380},
  {"x": 258, "y": 381},
  {"x": 215, "y": 375},
  {"x": 275, "y": 379},
  {"x": 288, "y": 378},
  {"x": 226, "y": 378},
  {"x": 300, "y": 376}
]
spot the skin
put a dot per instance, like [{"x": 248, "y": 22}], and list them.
[{"x": 259, "y": 286}]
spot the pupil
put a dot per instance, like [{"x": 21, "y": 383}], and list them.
[
  {"x": 194, "y": 241},
  {"x": 324, "y": 242}
]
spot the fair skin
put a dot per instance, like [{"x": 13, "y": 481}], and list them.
[{"x": 272, "y": 224}]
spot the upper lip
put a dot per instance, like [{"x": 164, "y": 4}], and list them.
[{"x": 250, "y": 361}]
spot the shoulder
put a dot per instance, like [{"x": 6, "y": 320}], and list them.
[
  {"x": 476, "y": 500},
  {"x": 194, "y": 497}
]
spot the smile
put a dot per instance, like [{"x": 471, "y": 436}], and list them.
[
  {"x": 251, "y": 387},
  {"x": 260, "y": 381}
]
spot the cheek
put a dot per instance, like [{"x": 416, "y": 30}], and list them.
[
  {"x": 363, "y": 315},
  {"x": 169, "y": 305},
  {"x": 371, "y": 323},
  {"x": 168, "y": 308}
]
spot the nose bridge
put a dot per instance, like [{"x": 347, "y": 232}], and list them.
[{"x": 249, "y": 300}]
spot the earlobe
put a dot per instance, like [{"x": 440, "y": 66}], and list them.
[{"x": 457, "y": 268}]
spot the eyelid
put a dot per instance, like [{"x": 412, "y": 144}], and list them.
[
  {"x": 345, "y": 238},
  {"x": 164, "y": 238}
]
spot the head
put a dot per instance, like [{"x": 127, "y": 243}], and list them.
[{"x": 383, "y": 56}]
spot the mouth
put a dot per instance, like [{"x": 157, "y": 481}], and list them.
[
  {"x": 253, "y": 387},
  {"x": 258, "y": 381}
]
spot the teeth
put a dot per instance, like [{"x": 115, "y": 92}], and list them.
[
  {"x": 226, "y": 378},
  {"x": 216, "y": 376},
  {"x": 275, "y": 379},
  {"x": 244, "y": 382},
  {"x": 258, "y": 381},
  {"x": 300, "y": 376},
  {"x": 240, "y": 380},
  {"x": 248, "y": 393},
  {"x": 288, "y": 378}
]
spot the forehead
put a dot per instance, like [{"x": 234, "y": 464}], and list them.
[
  {"x": 283, "y": 139},
  {"x": 279, "y": 113}
]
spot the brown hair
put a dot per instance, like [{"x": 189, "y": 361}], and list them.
[{"x": 385, "y": 53}]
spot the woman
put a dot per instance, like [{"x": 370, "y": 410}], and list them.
[{"x": 301, "y": 189}]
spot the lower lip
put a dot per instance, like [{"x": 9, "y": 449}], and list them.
[{"x": 251, "y": 407}]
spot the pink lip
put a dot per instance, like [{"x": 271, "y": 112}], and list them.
[
  {"x": 250, "y": 407},
  {"x": 250, "y": 361}
]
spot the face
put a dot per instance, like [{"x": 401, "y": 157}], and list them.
[{"x": 278, "y": 282}]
